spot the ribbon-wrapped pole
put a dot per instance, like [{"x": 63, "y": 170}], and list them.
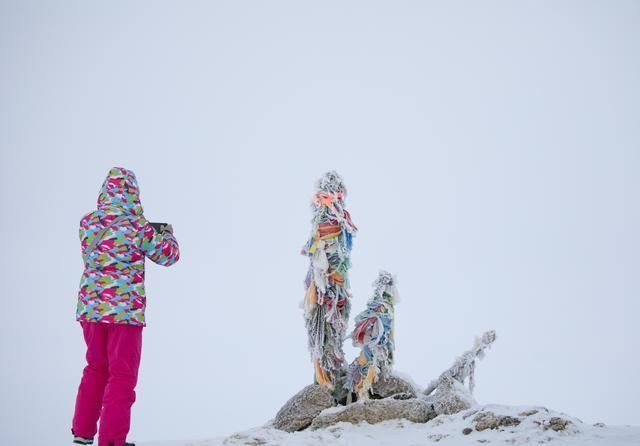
[{"x": 327, "y": 300}]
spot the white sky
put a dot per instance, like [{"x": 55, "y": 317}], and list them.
[{"x": 491, "y": 151}]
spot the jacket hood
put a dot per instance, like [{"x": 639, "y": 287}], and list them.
[{"x": 120, "y": 190}]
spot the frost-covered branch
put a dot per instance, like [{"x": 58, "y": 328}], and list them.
[{"x": 465, "y": 365}]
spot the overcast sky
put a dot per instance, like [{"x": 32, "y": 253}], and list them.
[{"x": 492, "y": 156}]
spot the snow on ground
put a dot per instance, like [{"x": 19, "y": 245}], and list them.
[{"x": 505, "y": 425}]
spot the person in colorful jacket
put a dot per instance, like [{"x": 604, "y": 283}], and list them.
[{"x": 115, "y": 240}]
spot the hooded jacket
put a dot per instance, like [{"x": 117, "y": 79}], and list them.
[{"x": 112, "y": 284}]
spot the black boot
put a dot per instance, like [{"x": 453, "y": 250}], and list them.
[{"x": 81, "y": 440}]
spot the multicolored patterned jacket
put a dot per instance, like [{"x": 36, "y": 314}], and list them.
[{"x": 112, "y": 284}]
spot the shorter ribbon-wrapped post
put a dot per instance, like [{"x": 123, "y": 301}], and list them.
[{"x": 373, "y": 333}]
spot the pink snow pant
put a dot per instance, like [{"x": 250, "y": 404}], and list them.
[{"x": 107, "y": 387}]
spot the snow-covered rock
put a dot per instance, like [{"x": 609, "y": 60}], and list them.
[
  {"x": 482, "y": 425},
  {"x": 392, "y": 385},
  {"x": 451, "y": 397},
  {"x": 302, "y": 408},
  {"x": 376, "y": 411}
]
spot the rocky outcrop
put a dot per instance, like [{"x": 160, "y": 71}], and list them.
[
  {"x": 302, "y": 408},
  {"x": 375, "y": 411},
  {"x": 394, "y": 398},
  {"x": 451, "y": 397},
  {"x": 393, "y": 386},
  {"x": 557, "y": 424},
  {"x": 491, "y": 424},
  {"x": 489, "y": 420},
  {"x": 391, "y": 397}
]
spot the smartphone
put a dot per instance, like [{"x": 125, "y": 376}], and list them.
[{"x": 159, "y": 227}]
